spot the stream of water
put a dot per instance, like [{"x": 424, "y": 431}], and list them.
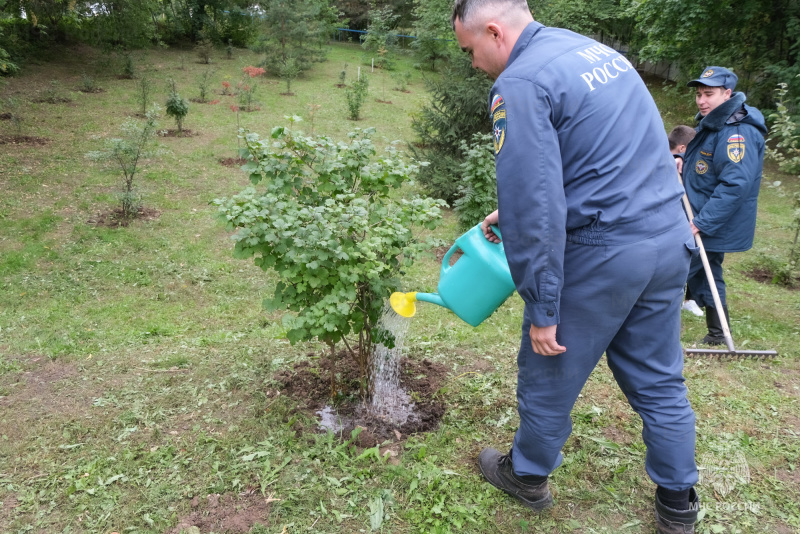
[{"x": 388, "y": 401}]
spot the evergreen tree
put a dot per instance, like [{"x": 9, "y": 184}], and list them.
[
  {"x": 457, "y": 109},
  {"x": 380, "y": 43},
  {"x": 294, "y": 29},
  {"x": 432, "y": 31}
]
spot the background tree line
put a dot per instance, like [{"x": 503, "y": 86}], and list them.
[{"x": 758, "y": 39}]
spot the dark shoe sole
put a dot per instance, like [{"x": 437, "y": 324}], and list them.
[{"x": 536, "y": 506}]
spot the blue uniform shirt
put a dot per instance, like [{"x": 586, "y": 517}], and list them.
[
  {"x": 581, "y": 155},
  {"x": 722, "y": 174}
]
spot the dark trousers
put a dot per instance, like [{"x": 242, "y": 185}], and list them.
[
  {"x": 697, "y": 282},
  {"x": 623, "y": 300}
]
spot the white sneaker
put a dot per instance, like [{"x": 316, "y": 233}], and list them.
[{"x": 691, "y": 306}]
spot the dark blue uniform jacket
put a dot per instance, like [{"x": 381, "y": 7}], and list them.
[
  {"x": 722, "y": 174},
  {"x": 581, "y": 156}
]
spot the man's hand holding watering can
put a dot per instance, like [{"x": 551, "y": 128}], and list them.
[
  {"x": 543, "y": 340},
  {"x": 492, "y": 218}
]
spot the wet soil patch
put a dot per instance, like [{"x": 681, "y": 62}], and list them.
[
  {"x": 27, "y": 140},
  {"x": 95, "y": 90},
  {"x": 175, "y": 133},
  {"x": 5, "y": 116},
  {"x": 766, "y": 276},
  {"x": 232, "y": 162},
  {"x": 230, "y": 514},
  {"x": 379, "y": 101},
  {"x": 309, "y": 384},
  {"x": 116, "y": 218}
]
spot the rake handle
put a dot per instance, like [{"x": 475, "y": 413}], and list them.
[{"x": 714, "y": 292}]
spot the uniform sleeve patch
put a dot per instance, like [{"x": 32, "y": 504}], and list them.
[
  {"x": 498, "y": 122},
  {"x": 736, "y": 152},
  {"x": 736, "y": 139},
  {"x": 701, "y": 167}
]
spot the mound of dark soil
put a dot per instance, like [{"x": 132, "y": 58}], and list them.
[
  {"x": 232, "y": 162},
  {"x": 115, "y": 218},
  {"x": 23, "y": 140},
  {"x": 227, "y": 513},
  {"x": 175, "y": 133},
  {"x": 52, "y": 100},
  {"x": 309, "y": 384},
  {"x": 766, "y": 276}
]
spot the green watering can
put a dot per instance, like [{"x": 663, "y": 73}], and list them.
[{"x": 474, "y": 287}]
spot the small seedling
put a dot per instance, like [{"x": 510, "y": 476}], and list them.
[
  {"x": 144, "y": 94},
  {"x": 88, "y": 84},
  {"x": 356, "y": 95},
  {"x": 342, "y": 76},
  {"x": 204, "y": 49},
  {"x": 177, "y": 107}
]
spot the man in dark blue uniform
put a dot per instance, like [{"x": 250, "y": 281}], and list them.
[
  {"x": 597, "y": 242},
  {"x": 722, "y": 174}
]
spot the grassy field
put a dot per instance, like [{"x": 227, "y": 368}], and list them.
[{"x": 137, "y": 368}]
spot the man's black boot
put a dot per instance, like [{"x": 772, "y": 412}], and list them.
[
  {"x": 498, "y": 470},
  {"x": 715, "y": 334},
  {"x": 671, "y": 521}
]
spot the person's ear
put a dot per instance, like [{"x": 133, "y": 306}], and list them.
[
  {"x": 494, "y": 31},
  {"x": 727, "y": 93}
]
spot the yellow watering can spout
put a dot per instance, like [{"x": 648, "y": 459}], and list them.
[{"x": 403, "y": 303}]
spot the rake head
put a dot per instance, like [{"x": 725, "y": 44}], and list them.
[{"x": 723, "y": 354}]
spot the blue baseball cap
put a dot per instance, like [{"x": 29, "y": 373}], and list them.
[{"x": 716, "y": 77}]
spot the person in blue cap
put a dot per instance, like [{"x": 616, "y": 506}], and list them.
[
  {"x": 597, "y": 243},
  {"x": 722, "y": 175}
]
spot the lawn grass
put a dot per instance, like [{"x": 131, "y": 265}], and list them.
[{"x": 137, "y": 365}]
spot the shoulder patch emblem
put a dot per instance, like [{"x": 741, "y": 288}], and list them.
[
  {"x": 736, "y": 139},
  {"x": 706, "y": 74},
  {"x": 736, "y": 152},
  {"x": 701, "y": 167},
  {"x": 498, "y": 122}
]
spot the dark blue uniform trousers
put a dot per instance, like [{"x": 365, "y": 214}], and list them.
[
  {"x": 698, "y": 281},
  {"x": 622, "y": 299}
]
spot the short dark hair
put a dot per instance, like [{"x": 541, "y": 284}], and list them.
[
  {"x": 463, "y": 9},
  {"x": 680, "y": 135}
]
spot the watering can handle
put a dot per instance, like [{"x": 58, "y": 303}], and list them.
[{"x": 446, "y": 259}]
